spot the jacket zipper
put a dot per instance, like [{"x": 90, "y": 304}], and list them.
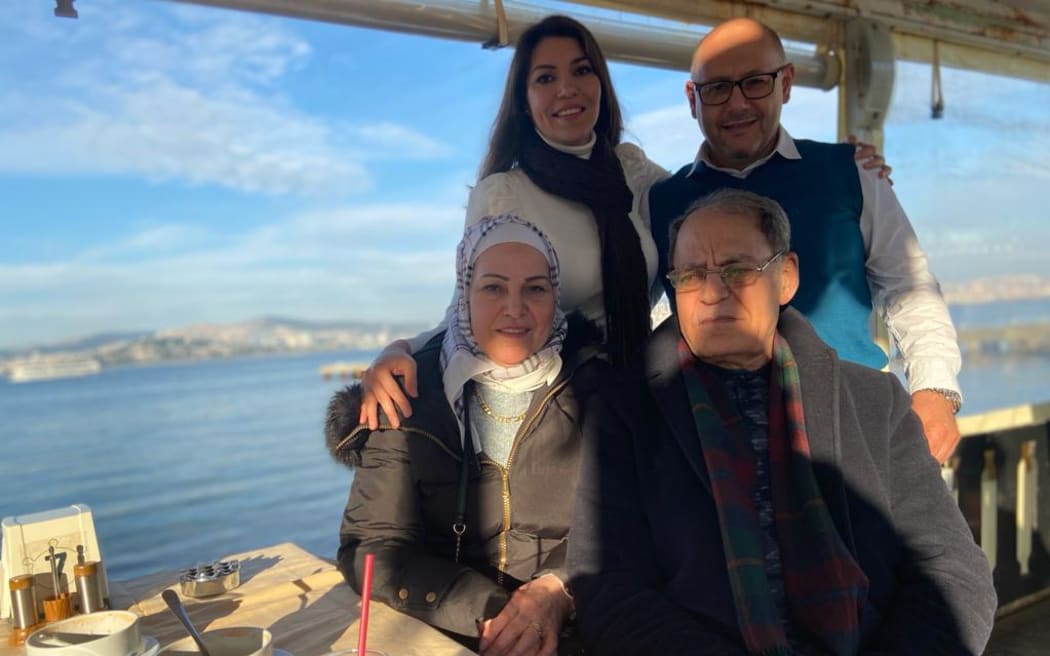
[
  {"x": 505, "y": 476},
  {"x": 503, "y": 471}
]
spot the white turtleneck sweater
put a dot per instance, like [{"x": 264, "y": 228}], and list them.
[{"x": 569, "y": 226}]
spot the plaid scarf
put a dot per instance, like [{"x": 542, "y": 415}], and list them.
[{"x": 824, "y": 585}]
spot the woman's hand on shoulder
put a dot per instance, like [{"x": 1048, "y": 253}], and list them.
[
  {"x": 530, "y": 622},
  {"x": 869, "y": 157},
  {"x": 380, "y": 388}
]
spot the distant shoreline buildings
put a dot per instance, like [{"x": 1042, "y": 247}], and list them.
[
  {"x": 271, "y": 335},
  {"x": 999, "y": 288},
  {"x": 202, "y": 342}
]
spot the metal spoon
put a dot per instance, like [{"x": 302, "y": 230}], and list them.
[{"x": 171, "y": 598}]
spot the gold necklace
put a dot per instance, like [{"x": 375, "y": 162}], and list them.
[{"x": 515, "y": 419}]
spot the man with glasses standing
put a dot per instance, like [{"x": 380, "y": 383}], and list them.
[
  {"x": 857, "y": 246},
  {"x": 743, "y": 491}
]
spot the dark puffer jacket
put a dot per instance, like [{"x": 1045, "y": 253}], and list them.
[{"x": 403, "y": 500}]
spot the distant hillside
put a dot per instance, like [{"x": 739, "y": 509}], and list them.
[
  {"x": 306, "y": 324},
  {"x": 207, "y": 340},
  {"x": 997, "y": 288},
  {"x": 75, "y": 345},
  {"x": 93, "y": 341}
]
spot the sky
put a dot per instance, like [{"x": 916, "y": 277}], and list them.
[{"x": 164, "y": 164}]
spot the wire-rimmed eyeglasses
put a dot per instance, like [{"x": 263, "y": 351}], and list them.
[
  {"x": 754, "y": 87},
  {"x": 734, "y": 276}
]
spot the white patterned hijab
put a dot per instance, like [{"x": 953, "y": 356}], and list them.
[{"x": 461, "y": 357}]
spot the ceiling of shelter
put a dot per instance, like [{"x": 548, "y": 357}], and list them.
[{"x": 1008, "y": 37}]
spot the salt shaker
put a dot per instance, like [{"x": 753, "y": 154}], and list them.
[{"x": 23, "y": 608}]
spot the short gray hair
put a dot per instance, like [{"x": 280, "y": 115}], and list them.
[{"x": 772, "y": 220}]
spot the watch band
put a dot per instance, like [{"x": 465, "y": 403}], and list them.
[{"x": 953, "y": 397}]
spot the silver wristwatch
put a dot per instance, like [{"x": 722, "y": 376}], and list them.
[{"x": 952, "y": 396}]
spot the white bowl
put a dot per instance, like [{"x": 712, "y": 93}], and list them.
[
  {"x": 105, "y": 633},
  {"x": 234, "y": 641}
]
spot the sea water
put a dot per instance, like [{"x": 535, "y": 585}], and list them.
[
  {"x": 191, "y": 461},
  {"x": 180, "y": 462}
]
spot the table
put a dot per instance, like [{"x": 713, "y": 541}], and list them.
[{"x": 300, "y": 598}]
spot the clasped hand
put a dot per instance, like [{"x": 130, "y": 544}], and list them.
[{"x": 530, "y": 622}]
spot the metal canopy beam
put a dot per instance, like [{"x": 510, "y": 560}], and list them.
[
  {"x": 479, "y": 21},
  {"x": 1008, "y": 37},
  {"x": 1005, "y": 37}
]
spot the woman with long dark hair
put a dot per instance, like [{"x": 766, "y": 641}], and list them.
[{"x": 555, "y": 157}]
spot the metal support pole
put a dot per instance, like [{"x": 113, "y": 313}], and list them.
[{"x": 865, "y": 89}]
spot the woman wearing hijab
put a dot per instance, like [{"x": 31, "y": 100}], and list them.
[
  {"x": 467, "y": 504},
  {"x": 556, "y": 157}
]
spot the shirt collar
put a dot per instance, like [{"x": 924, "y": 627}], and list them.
[{"x": 785, "y": 148}]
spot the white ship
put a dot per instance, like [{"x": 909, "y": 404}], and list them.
[{"x": 52, "y": 368}]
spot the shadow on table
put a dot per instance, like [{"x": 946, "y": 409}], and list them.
[
  {"x": 324, "y": 626},
  {"x": 163, "y": 625},
  {"x": 316, "y": 627},
  {"x": 250, "y": 567}
]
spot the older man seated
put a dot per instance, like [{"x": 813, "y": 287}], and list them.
[{"x": 746, "y": 492}]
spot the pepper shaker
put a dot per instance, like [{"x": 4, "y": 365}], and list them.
[{"x": 89, "y": 586}]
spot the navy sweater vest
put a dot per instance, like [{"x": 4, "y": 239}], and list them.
[{"x": 822, "y": 197}]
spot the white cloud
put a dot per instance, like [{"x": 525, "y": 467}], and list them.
[
  {"x": 373, "y": 232},
  {"x": 370, "y": 262},
  {"x": 196, "y": 99},
  {"x": 396, "y": 141},
  {"x": 668, "y": 135},
  {"x": 161, "y": 130},
  {"x": 149, "y": 242},
  {"x": 812, "y": 114}
]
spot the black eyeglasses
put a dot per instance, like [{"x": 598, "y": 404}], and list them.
[
  {"x": 734, "y": 276},
  {"x": 753, "y": 87}
]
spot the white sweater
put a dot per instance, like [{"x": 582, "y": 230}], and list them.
[{"x": 569, "y": 226}]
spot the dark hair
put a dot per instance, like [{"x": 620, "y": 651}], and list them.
[
  {"x": 772, "y": 220},
  {"x": 513, "y": 120}
]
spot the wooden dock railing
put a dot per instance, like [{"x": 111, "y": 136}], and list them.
[{"x": 1000, "y": 475}]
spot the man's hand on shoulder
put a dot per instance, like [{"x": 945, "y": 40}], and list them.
[
  {"x": 869, "y": 158},
  {"x": 937, "y": 414}
]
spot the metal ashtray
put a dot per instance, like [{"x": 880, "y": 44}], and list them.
[{"x": 210, "y": 579}]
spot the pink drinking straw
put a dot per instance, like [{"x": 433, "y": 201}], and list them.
[{"x": 366, "y": 597}]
